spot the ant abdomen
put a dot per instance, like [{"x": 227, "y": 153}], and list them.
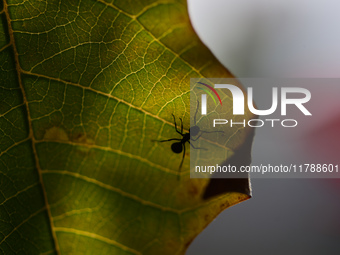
[{"x": 177, "y": 147}]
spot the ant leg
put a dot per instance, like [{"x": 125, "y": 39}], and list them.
[
  {"x": 181, "y": 125},
  {"x": 212, "y": 131},
  {"x": 161, "y": 141},
  {"x": 197, "y": 147},
  {"x": 176, "y": 126},
  {"x": 180, "y": 166},
  {"x": 192, "y": 139},
  {"x": 202, "y": 132}
]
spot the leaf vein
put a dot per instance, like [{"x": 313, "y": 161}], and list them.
[{"x": 97, "y": 237}]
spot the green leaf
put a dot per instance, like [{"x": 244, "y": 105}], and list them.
[{"x": 85, "y": 86}]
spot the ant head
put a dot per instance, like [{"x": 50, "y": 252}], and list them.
[
  {"x": 194, "y": 130},
  {"x": 177, "y": 147}
]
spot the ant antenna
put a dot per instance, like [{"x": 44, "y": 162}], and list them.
[{"x": 198, "y": 106}]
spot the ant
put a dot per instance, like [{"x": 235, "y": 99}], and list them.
[{"x": 178, "y": 147}]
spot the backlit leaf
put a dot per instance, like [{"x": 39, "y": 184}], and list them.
[{"x": 85, "y": 86}]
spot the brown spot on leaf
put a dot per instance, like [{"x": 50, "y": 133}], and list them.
[
  {"x": 193, "y": 190},
  {"x": 56, "y": 134},
  {"x": 187, "y": 244},
  {"x": 82, "y": 138}
]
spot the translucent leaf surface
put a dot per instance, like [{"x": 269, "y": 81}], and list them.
[{"x": 85, "y": 86}]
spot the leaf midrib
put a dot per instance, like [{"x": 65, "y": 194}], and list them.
[{"x": 31, "y": 135}]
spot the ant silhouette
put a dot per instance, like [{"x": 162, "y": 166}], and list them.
[{"x": 178, "y": 147}]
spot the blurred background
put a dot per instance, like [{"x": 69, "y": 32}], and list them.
[{"x": 282, "y": 38}]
